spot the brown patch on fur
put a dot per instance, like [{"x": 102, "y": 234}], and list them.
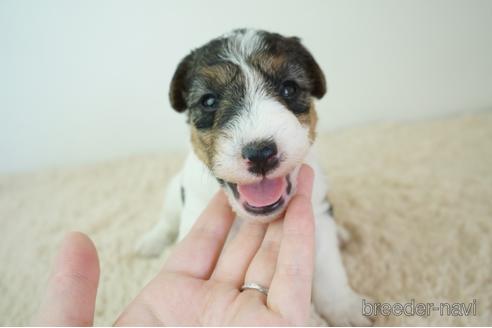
[
  {"x": 203, "y": 143},
  {"x": 310, "y": 119},
  {"x": 221, "y": 74},
  {"x": 268, "y": 63},
  {"x": 217, "y": 77}
]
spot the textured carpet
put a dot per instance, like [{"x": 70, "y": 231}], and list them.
[{"x": 417, "y": 198}]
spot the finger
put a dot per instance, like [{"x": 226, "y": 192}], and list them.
[
  {"x": 305, "y": 180},
  {"x": 237, "y": 255},
  {"x": 196, "y": 255},
  {"x": 262, "y": 266},
  {"x": 72, "y": 287},
  {"x": 290, "y": 291}
]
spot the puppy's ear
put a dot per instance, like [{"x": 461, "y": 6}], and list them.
[
  {"x": 179, "y": 84},
  {"x": 316, "y": 75}
]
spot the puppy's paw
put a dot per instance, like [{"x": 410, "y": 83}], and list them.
[
  {"x": 151, "y": 246},
  {"x": 347, "y": 311}
]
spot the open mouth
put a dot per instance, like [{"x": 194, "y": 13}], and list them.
[{"x": 264, "y": 197}]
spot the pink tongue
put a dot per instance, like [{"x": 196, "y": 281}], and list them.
[{"x": 263, "y": 193}]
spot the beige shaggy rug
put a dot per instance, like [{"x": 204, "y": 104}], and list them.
[{"x": 417, "y": 198}]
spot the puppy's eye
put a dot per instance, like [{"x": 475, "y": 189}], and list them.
[
  {"x": 209, "y": 102},
  {"x": 288, "y": 89}
]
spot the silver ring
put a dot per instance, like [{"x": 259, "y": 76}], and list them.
[{"x": 255, "y": 286}]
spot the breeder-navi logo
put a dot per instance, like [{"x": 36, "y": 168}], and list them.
[{"x": 420, "y": 309}]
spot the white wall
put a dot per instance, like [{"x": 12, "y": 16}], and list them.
[{"x": 82, "y": 81}]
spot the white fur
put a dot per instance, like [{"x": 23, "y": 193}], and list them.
[{"x": 241, "y": 45}]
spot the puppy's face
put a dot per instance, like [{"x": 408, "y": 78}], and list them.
[{"x": 249, "y": 100}]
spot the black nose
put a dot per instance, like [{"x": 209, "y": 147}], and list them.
[{"x": 261, "y": 156}]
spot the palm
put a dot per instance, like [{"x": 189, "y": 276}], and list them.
[{"x": 212, "y": 303}]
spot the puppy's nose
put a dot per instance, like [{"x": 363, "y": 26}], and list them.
[{"x": 261, "y": 156}]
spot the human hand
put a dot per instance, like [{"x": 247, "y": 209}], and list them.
[{"x": 200, "y": 281}]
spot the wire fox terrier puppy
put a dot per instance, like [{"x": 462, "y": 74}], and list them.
[{"x": 249, "y": 101}]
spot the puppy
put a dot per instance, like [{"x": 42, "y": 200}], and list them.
[{"x": 249, "y": 101}]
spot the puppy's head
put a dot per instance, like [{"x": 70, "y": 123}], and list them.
[{"x": 249, "y": 96}]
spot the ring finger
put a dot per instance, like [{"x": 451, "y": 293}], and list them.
[{"x": 263, "y": 265}]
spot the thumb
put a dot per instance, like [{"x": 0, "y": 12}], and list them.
[{"x": 71, "y": 293}]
